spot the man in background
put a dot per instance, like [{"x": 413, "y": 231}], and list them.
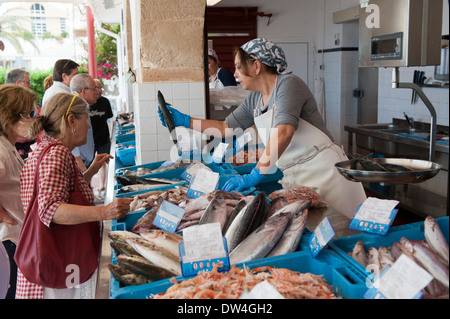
[
  {"x": 99, "y": 113},
  {"x": 84, "y": 84},
  {"x": 63, "y": 72},
  {"x": 20, "y": 77}
]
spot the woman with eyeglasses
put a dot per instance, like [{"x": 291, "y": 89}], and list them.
[
  {"x": 17, "y": 108},
  {"x": 65, "y": 126}
]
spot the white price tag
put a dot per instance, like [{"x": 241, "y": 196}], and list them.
[
  {"x": 219, "y": 151},
  {"x": 203, "y": 242},
  {"x": 205, "y": 181},
  {"x": 263, "y": 290},
  {"x": 404, "y": 279},
  {"x": 376, "y": 210}
]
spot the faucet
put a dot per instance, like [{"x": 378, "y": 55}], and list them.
[
  {"x": 396, "y": 84},
  {"x": 410, "y": 120}
]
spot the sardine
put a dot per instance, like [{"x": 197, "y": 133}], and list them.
[
  {"x": 246, "y": 220},
  {"x": 359, "y": 253},
  {"x": 260, "y": 242},
  {"x": 435, "y": 238},
  {"x": 430, "y": 262},
  {"x": 294, "y": 230},
  {"x": 163, "y": 239},
  {"x": 216, "y": 212},
  {"x": 167, "y": 117},
  {"x": 143, "y": 267},
  {"x": 156, "y": 255}
]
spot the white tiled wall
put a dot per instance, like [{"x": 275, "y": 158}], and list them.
[
  {"x": 393, "y": 102},
  {"x": 153, "y": 142},
  {"x": 341, "y": 78}
]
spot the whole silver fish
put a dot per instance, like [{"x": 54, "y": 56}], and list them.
[
  {"x": 430, "y": 262},
  {"x": 156, "y": 255},
  {"x": 373, "y": 261},
  {"x": 163, "y": 239},
  {"x": 435, "y": 238},
  {"x": 260, "y": 242},
  {"x": 142, "y": 267},
  {"x": 359, "y": 253},
  {"x": 275, "y": 205},
  {"x": 239, "y": 206},
  {"x": 140, "y": 187},
  {"x": 386, "y": 258},
  {"x": 294, "y": 230},
  {"x": 216, "y": 212},
  {"x": 241, "y": 226},
  {"x": 125, "y": 277}
]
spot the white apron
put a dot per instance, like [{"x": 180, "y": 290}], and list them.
[
  {"x": 310, "y": 159},
  {"x": 216, "y": 83}
]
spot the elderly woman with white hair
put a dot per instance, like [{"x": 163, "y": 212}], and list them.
[{"x": 285, "y": 113}]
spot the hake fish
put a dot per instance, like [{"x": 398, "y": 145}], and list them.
[
  {"x": 156, "y": 255},
  {"x": 144, "y": 268},
  {"x": 435, "y": 238},
  {"x": 163, "y": 239},
  {"x": 215, "y": 212},
  {"x": 167, "y": 117},
  {"x": 249, "y": 218},
  {"x": 260, "y": 242},
  {"x": 294, "y": 230}
]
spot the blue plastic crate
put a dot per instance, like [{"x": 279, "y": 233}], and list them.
[
  {"x": 121, "y": 138},
  {"x": 345, "y": 283},
  {"x": 126, "y": 156},
  {"x": 414, "y": 231}
]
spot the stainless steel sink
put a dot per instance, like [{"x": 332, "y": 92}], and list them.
[{"x": 395, "y": 140}]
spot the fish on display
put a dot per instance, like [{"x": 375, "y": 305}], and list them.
[
  {"x": 260, "y": 242},
  {"x": 430, "y": 262},
  {"x": 167, "y": 117},
  {"x": 293, "y": 233},
  {"x": 275, "y": 205},
  {"x": 373, "y": 261},
  {"x": 239, "y": 206},
  {"x": 144, "y": 268},
  {"x": 215, "y": 212},
  {"x": 125, "y": 277},
  {"x": 145, "y": 222},
  {"x": 140, "y": 187},
  {"x": 122, "y": 248},
  {"x": 121, "y": 235},
  {"x": 435, "y": 238},
  {"x": 156, "y": 255},
  {"x": 249, "y": 218},
  {"x": 163, "y": 239},
  {"x": 359, "y": 253}
]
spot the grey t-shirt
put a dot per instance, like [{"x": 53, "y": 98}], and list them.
[{"x": 294, "y": 100}]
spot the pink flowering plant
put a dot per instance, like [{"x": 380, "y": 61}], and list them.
[{"x": 106, "y": 53}]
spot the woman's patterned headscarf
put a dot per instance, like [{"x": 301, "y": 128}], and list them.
[{"x": 267, "y": 52}]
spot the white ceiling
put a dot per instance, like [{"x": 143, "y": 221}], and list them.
[{"x": 106, "y": 11}]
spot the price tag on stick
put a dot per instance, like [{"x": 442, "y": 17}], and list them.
[
  {"x": 374, "y": 216},
  {"x": 168, "y": 217},
  {"x": 202, "y": 248}
]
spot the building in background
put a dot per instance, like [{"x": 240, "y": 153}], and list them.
[{"x": 58, "y": 30}]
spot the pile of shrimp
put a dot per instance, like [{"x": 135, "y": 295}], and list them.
[{"x": 231, "y": 284}]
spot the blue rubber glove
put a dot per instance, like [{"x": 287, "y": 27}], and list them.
[
  {"x": 179, "y": 119},
  {"x": 243, "y": 182}
]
